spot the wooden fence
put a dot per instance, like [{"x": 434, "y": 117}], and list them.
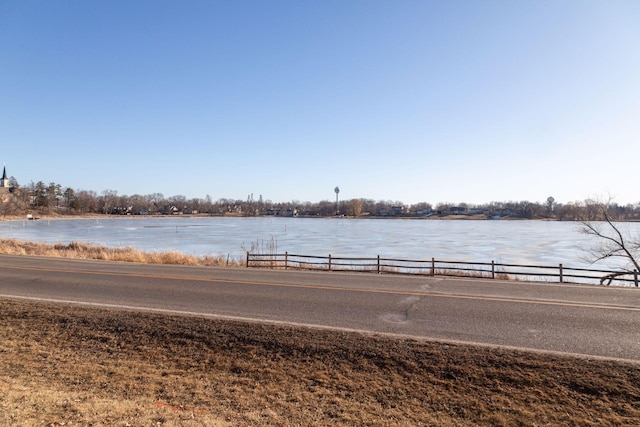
[{"x": 488, "y": 270}]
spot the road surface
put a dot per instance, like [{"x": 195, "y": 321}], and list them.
[{"x": 577, "y": 319}]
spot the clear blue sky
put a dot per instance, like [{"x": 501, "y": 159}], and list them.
[{"x": 437, "y": 101}]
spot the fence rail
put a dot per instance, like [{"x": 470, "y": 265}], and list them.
[{"x": 433, "y": 267}]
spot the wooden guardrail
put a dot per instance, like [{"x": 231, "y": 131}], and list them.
[{"x": 433, "y": 267}]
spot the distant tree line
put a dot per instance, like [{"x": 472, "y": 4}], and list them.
[{"x": 54, "y": 198}]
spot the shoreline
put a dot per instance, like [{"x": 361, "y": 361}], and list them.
[{"x": 479, "y": 217}]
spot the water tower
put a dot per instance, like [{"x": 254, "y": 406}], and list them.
[
  {"x": 550, "y": 201},
  {"x": 337, "y": 190}
]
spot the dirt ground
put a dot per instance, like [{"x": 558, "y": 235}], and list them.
[{"x": 64, "y": 365}]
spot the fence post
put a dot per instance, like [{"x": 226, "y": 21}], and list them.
[
  {"x": 247, "y": 259},
  {"x": 433, "y": 266},
  {"x": 379, "y": 265},
  {"x": 635, "y": 277},
  {"x": 561, "y": 276},
  {"x": 286, "y": 260},
  {"x": 329, "y": 262}
]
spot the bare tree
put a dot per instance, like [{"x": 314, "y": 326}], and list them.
[
  {"x": 15, "y": 204},
  {"x": 354, "y": 207},
  {"x": 85, "y": 201},
  {"x": 614, "y": 242}
]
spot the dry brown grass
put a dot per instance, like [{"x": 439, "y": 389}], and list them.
[
  {"x": 98, "y": 252},
  {"x": 63, "y": 365}
]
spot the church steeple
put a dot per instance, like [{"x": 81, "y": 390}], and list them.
[{"x": 4, "y": 182}]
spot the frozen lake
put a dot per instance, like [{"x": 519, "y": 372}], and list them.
[{"x": 526, "y": 242}]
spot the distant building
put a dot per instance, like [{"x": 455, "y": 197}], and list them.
[
  {"x": 424, "y": 212},
  {"x": 5, "y": 186},
  {"x": 171, "y": 210},
  {"x": 458, "y": 210},
  {"x": 398, "y": 210}
]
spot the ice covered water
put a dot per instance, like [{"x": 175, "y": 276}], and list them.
[{"x": 518, "y": 242}]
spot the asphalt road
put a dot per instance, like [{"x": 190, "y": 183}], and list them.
[{"x": 579, "y": 319}]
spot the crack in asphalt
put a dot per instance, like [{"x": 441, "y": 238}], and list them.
[{"x": 406, "y": 305}]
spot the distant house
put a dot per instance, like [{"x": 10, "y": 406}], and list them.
[
  {"x": 458, "y": 210},
  {"x": 398, "y": 210},
  {"x": 171, "y": 210},
  {"x": 279, "y": 212},
  {"x": 478, "y": 212},
  {"x": 122, "y": 210}
]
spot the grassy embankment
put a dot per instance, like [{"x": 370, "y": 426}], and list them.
[{"x": 63, "y": 365}]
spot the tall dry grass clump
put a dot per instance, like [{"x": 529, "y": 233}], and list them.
[{"x": 79, "y": 250}]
